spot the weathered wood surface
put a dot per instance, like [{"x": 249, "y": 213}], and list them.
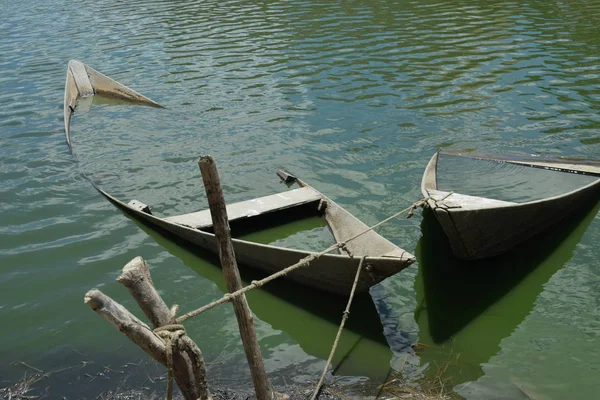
[
  {"x": 344, "y": 225},
  {"x": 477, "y": 227},
  {"x": 84, "y": 81},
  {"x": 136, "y": 278},
  {"x": 448, "y": 200},
  {"x": 127, "y": 323},
  {"x": 81, "y": 78},
  {"x": 108, "y": 87},
  {"x": 218, "y": 210},
  {"x": 251, "y": 208}
]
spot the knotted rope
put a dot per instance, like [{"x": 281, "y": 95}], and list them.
[
  {"x": 436, "y": 201},
  {"x": 170, "y": 334}
]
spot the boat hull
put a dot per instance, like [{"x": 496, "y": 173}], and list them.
[
  {"x": 334, "y": 273},
  {"x": 476, "y": 233}
]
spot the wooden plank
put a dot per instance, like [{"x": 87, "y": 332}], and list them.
[
  {"x": 105, "y": 86},
  {"x": 448, "y": 200},
  {"x": 344, "y": 225},
  {"x": 566, "y": 166},
  {"x": 429, "y": 180},
  {"x": 250, "y": 208},
  {"x": 70, "y": 101},
  {"x": 82, "y": 80}
]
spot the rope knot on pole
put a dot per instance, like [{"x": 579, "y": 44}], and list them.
[
  {"x": 170, "y": 334},
  {"x": 344, "y": 246}
]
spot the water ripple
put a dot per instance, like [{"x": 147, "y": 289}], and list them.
[{"x": 352, "y": 96}]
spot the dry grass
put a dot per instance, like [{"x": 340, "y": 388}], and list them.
[
  {"x": 28, "y": 387},
  {"x": 20, "y": 390},
  {"x": 435, "y": 385},
  {"x": 128, "y": 395}
]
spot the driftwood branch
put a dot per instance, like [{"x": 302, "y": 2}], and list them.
[
  {"x": 188, "y": 367},
  {"x": 218, "y": 211},
  {"x": 136, "y": 278},
  {"x": 127, "y": 323}
]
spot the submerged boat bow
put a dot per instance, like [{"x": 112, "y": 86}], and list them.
[
  {"x": 84, "y": 81},
  {"x": 479, "y": 227}
]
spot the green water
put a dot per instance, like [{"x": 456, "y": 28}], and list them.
[{"x": 354, "y": 98}]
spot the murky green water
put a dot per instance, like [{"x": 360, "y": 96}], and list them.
[{"x": 354, "y": 97}]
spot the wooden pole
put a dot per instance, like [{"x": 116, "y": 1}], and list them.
[{"x": 218, "y": 211}]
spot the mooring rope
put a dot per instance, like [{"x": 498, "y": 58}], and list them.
[
  {"x": 169, "y": 335},
  {"x": 340, "y": 329},
  {"x": 302, "y": 263}
]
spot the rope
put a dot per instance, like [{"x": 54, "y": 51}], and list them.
[
  {"x": 442, "y": 199},
  {"x": 302, "y": 263},
  {"x": 169, "y": 335},
  {"x": 340, "y": 329}
]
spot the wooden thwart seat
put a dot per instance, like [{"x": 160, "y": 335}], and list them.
[
  {"x": 250, "y": 208},
  {"x": 443, "y": 199}
]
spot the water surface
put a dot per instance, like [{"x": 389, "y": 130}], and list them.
[{"x": 354, "y": 98}]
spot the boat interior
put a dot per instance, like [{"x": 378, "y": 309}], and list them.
[
  {"x": 261, "y": 213},
  {"x": 490, "y": 182},
  {"x": 251, "y": 215},
  {"x": 258, "y": 214}
]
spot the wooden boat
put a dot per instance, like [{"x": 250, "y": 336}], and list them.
[
  {"x": 84, "y": 81},
  {"x": 479, "y": 227},
  {"x": 333, "y": 273}
]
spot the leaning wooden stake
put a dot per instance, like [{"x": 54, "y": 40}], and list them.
[
  {"x": 216, "y": 202},
  {"x": 167, "y": 344}
]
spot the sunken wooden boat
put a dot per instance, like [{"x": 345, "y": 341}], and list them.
[
  {"x": 83, "y": 81},
  {"x": 331, "y": 272},
  {"x": 479, "y": 226}
]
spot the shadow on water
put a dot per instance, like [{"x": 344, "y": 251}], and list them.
[
  {"x": 467, "y": 307},
  {"x": 311, "y": 317}
]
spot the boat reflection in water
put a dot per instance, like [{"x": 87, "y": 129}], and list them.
[
  {"x": 309, "y": 316},
  {"x": 465, "y": 308}
]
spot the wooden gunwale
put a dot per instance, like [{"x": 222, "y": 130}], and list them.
[{"x": 586, "y": 167}]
